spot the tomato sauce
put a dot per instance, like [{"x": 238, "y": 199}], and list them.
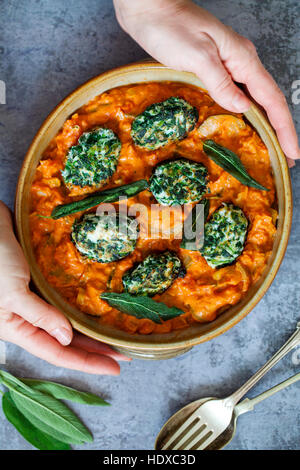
[{"x": 204, "y": 292}]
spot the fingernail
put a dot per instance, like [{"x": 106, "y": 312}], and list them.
[
  {"x": 240, "y": 103},
  {"x": 293, "y": 155},
  {"x": 122, "y": 359},
  {"x": 62, "y": 335},
  {"x": 291, "y": 163},
  {"x": 125, "y": 359}
]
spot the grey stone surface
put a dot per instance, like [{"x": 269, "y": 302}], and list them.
[{"x": 47, "y": 48}]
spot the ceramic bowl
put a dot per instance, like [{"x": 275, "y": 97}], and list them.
[{"x": 152, "y": 346}]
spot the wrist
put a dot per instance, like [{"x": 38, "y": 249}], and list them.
[{"x": 131, "y": 13}]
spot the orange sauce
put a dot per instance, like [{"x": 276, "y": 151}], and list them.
[{"x": 204, "y": 292}]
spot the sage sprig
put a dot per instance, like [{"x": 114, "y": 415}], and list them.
[
  {"x": 109, "y": 195},
  {"x": 35, "y": 409},
  {"x": 193, "y": 219},
  {"x": 231, "y": 163},
  {"x": 141, "y": 306}
]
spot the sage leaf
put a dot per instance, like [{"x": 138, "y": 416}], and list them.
[
  {"x": 109, "y": 195},
  {"x": 231, "y": 163},
  {"x": 30, "y": 433},
  {"x": 41, "y": 424},
  {"x": 193, "y": 219},
  {"x": 63, "y": 392},
  {"x": 141, "y": 306},
  {"x": 6, "y": 376},
  {"x": 52, "y": 416}
]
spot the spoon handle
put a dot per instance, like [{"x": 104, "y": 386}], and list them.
[
  {"x": 249, "y": 404},
  {"x": 291, "y": 343}
]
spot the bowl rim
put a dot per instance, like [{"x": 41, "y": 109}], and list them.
[{"x": 168, "y": 344}]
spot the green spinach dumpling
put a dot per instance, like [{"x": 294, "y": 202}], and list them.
[
  {"x": 179, "y": 182},
  {"x": 105, "y": 238},
  {"x": 162, "y": 123},
  {"x": 153, "y": 275},
  {"x": 93, "y": 160},
  {"x": 224, "y": 236}
]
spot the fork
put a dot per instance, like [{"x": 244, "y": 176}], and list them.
[{"x": 214, "y": 415}]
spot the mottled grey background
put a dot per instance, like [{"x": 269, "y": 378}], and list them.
[{"x": 47, "y": 48}]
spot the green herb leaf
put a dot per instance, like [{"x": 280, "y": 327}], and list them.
[
  {"x": 110, "y": 195},
  {"x": 46, "y": 413},
  {"x": 63, "y": 392},
  {"x": 33, "y": 435},
  {"x": 41, "y": 424},
  {"x": 231, "y": 163},
  {"x": 6, "y": 376},
  {"x": 194, "y": 215},
  {"x": 141, "y": 306}
]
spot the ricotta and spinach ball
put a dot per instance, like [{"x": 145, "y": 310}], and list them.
[
  {"x": 93, "y": 160},
  {"x": 224, "y": 236},
  {"x": 105, "y": 238},
  {"x": 153, "y": 275},
  {"x": 164, "y": 122},
  {"x": 179, "y": 182}
]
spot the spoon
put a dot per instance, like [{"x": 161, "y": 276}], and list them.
[
  {"x": 210, "y": 417},
  {"x": 243, "y": 407}
]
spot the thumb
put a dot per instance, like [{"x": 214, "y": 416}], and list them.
[
  {"x": 39, "y": 313},
  {"x": 219, "y": 84}
]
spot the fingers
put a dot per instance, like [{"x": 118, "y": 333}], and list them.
[
  {"x": 211, "y": 71},
  {"x": 40, "y": 344},
  {"x": 14, "y": 291},
  {"x": 265, "y": 91},
  {"x": 186, "y": 37},
  {"x": 42, "y": 315},
  {"x": 90, "y": 345},
  {"x": 243, "y": 63}
]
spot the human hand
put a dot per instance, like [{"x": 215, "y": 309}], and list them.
[
  {"x": 186, "y": 37},
  {"x": 29, "y": 322}
]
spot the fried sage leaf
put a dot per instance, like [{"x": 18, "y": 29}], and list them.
[
  {"x": 141, "y": 306},
  {"x": 179, "y": 182},
  {"x": 109, "y": 195},
  {"x": 93, "y": 160},
  {"x": 193, "y": 221},
  {"x": 32, "y": 434},
  {"x": 224, "y": 236},
  {"x": 62, "y": 392},
  {"x": 231, "y": 163},
  {"x": 105, "y": 238},
  {"x": 164, "y": 122},
  {"x": 153, "y": 275}
]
